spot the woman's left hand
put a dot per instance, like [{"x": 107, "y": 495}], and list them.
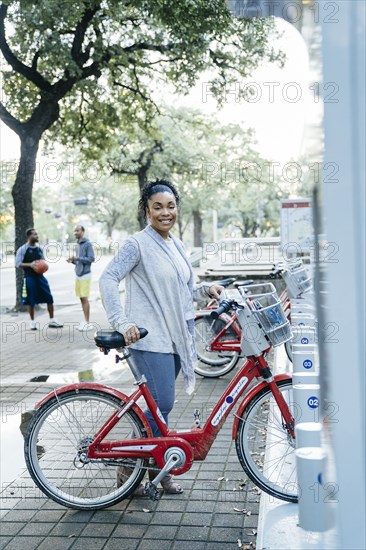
[{"x": 215, "y": 291}]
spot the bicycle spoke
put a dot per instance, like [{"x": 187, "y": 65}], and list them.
[
  {"x": 61, "y": 433},
  {"x": 264, "y": 446},
  {"x": 64, "y": 429}
]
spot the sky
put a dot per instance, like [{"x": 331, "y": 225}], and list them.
[
  {"x": 279, "y": 108},
  {"x": 277, "y": 113}
]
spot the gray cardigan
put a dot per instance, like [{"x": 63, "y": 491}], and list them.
[{"x": 157, "y": 298}]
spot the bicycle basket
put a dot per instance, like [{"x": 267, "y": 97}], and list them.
[
  {"x": 297, "y": 279},
  {"x": 265, "y": 305}
]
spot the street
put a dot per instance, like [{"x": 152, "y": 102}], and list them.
[{"x": 61, "y": 278}]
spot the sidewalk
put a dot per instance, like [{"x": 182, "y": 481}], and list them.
[
  {"x": 215, "y": 510},
  {"x": 7, "y": 261}
]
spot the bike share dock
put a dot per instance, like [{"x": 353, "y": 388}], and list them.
[{"x": 310, "y": 522}]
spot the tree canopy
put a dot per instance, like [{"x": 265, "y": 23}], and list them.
[{"x": 71, "y": 63}]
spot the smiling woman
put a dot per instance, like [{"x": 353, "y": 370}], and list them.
[
  {"x": 159, "y": 296},
  {"x": 158, "y": 205}
]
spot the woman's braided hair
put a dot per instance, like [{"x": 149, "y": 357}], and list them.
[{"x": 152, "y": 187}]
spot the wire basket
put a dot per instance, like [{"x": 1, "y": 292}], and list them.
[
  {"x": 265, "y": 305},
  {"x": 297, "y": 278}
]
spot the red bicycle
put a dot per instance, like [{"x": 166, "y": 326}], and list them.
[
  {"x": 81, "y": 433},
  {"x": 218, "y": 341}
]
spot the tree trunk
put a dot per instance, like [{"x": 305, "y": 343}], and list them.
[
  {"x": 22, "y": 197},
  {"x": 180, "y": 227},
  {"x": 30, "y": 133},
  {"x": 109, "y": 226},
  {"x": 197, "y": 228}
]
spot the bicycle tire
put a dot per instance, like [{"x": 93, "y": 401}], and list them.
[
  {"x": 59, "y": 430},
  {"x": 213, "y": 364},
  {"x": 265, "y": 449},
  {"x": 288, "y": 349}
]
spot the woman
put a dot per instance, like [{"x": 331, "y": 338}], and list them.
[{"x": 159, "y": 297}]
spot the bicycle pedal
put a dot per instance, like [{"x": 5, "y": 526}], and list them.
[{"x": 152, "y": 491}]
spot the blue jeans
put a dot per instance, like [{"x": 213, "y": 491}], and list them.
[{"x": 161, "y": 371}]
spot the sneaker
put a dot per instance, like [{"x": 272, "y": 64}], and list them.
[
  {"x": 83, "y": 327},
  {"x": 33, "y": 325},
  {"x": 55, "y": 324}
]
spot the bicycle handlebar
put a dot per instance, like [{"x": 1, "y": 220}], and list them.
[
  {"x": 275, "y": 274},
  {"x": 143, "y": 332},
  {"x": 224, "y": 307}
]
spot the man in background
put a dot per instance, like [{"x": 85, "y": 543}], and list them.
[
  {"x": 36, "y": 289},
  {"x": 82, "y": 260}
]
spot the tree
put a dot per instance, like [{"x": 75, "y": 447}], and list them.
[
  {"x": 180, "y": 145},
  {"x": 70, "y": 63},
  {"x": 134, "y": 157},
  {"x": 253, "y": 202},
  {"x": 189, "y": 148},
  {"x": 113, "y": 203}
]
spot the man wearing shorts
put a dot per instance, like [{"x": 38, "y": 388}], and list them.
[
  {"x": 83, "y": 259},
  {"x": 36, "y": 289}
]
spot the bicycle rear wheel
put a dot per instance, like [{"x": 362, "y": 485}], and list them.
[
  {"x": 264, "y": 447},
  {"x": 213, "y": 364},
  {"x": 56, "y": 447},
  {"x": 288, "y": 348}
]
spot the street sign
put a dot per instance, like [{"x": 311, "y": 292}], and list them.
[
  {"x": 296, "y": 226},
  {"x": 81, "y": 202}
]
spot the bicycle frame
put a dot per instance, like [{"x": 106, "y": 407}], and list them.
[
  {"x": 225, "y": 345},
  {"x": 195, "y": 443},
  {"x": 286, "y": 303}
]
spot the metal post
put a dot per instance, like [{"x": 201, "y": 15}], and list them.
[
  {"x": 308, "y": 434},
  {"x": 304, "y": 335},
  {"x": 305, "y": 378},
  {"x": 304, "y": 360},
  {"x": 302, "y": 319},
  {"x": 313, "y": 514},
  {"x": 306, "y": 402}
]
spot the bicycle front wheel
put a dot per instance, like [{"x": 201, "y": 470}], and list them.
[
  {"x": 264, "y": 446},
  {"x": 56, "y": 450},
  {"x": 213, "y": 364}
]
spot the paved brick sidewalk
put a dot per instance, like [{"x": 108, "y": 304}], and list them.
[{"x": 203, "y": 518}]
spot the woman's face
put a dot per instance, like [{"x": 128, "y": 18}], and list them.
[{"x": 162, "y": 212}]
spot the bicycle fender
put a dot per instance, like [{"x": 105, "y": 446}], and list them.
[
  {"x": 100, "y": 387},
  {"x": 249, "y": 397}
]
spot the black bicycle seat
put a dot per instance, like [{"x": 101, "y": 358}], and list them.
[
  {"x": 111, "y": 339},
  {"x": 225, "y": 282},
  {"x": 245, "y": 282}
]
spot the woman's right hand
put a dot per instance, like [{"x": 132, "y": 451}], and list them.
[{"x": 131, "y": 335}]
